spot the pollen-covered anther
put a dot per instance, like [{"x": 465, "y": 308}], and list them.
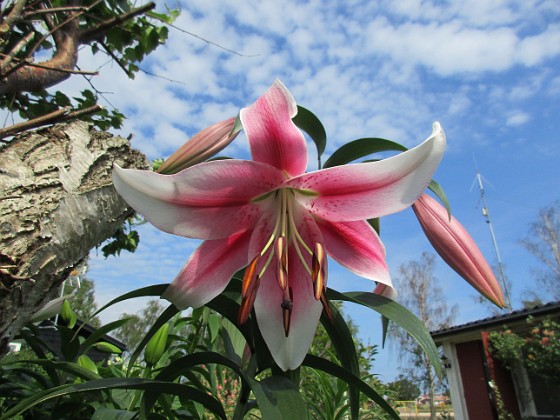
[
  {"x": 249, "y": 278},
  {"x": 318, "y": 270},
  {"x": 247, "y": 302},
  {"x": 282, "y": 270}
]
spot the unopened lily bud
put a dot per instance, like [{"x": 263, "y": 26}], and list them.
[
  {"x": 202, "y": 146},
  {"x": 454, "y": 244},
  {"x": 156, "y": 345}
]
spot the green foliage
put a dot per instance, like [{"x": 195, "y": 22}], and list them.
[
  {"x": 125, "y": 238},
  {"x": 83, "y": 300},
  {"x": 404, "y": 389},
  {"x": 107, "y": 27},
  {"x": 538, "y": 348},
  {"x": 199, "y": 365}
]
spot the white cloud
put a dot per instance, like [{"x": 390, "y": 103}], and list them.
[{"x": 517, "y": 118}]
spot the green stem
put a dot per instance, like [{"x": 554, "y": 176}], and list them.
[{"x": 146, "y": 374}]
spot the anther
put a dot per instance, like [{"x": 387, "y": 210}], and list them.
[
  {"x": 318, "y": 270},
  {"x": 249, "y": 278},
  {"x": 282, "y": 270},
  {"x": 247, "y": 303}
]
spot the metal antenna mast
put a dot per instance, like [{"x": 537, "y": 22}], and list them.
[{"x": 486, "y": 214}]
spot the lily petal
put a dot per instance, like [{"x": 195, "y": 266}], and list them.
[
  {"x": 386, "y": 291},
  {"x": 273, "y": 137},
  {"x": 368, "y": 190},
  {"x": 454, "y": 244},
  {"x": 211, "y": 200},
  {"x": 289, "y": 352},
  {"x": 208, "y": 271},
  {"x": 356, "y": 246}
]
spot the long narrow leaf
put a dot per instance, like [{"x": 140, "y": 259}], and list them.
[
  {"x": 309, "y": 123},
  {"x": 99, "y": 333},
  {"x": 147, "y": 385},
  {"x": 340, "y": 336},
  {"x": 438, "y": 190},
  {"x": 333, "y": 369},
  {"x": 155, "y": 290},
  {"x": 360, "y": 148},
  {"x": 399, "y": 315},
  {"x": 185, "y": 364},
  {"x": 229, "y": 309},
  {"x": 68, "y": 367},
  {"x": 278, "y": 399}
]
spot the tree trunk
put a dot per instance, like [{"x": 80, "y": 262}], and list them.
[{"x": 57, "y": 202}]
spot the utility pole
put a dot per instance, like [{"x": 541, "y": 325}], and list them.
[{"x": 486, "y": 214}]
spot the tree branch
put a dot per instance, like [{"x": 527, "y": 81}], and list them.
[
  {"x": 67, "y": 39},
  {"x": 13, "y": 17},
  {"x": 90, "y": 34},
  {"x": 60, "y": 115}
]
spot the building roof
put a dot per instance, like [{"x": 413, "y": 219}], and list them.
[{"x": 498, "y": 320}]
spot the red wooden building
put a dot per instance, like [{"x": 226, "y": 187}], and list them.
[{"x": 474, "y": 375}]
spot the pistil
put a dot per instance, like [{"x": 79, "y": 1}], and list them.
[{"x": 284, "y": 234}]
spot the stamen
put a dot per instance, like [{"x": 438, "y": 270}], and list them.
[
  {"x": 247, "y": 303},
  {"x": 318, "y": 270},
  {"x": 282, "y": 270},
  {"x": 249, "y": 278}
]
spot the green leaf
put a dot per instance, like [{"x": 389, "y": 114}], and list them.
[
  {"x": 278, "y": 399},
  {"x": 237, "y": 126},
  {"x": 107, "y": 347},
  {"x": 234, "y": 341},
  {"x": 335, "y": 370},
  {"x": 156, "y": 345},
  {"x": 399, "y": 315},
  {"x": 69, "y": 343},
  {"x": 360, "y": 148},
  {"x": 99, "y": 333},
  {"x": 229, "y": 309},
  {"x": 184, "y": 365},
  {"x": 103, "y": 413},
  {"x": 341, "y": 337},
  {"x": 213, "y": 326},
  {"x": 68, "y": 367},
  {"x": 147, "y": 385},
  {"x": 155, "y": 290},
  {"x": 309, "y": 123},
  {"x": 438, "y": 190},
  {"x": 85, "y": 362}
]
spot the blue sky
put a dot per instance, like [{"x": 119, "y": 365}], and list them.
[{"x": 487, "y": 71}]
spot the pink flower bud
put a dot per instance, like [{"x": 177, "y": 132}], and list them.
[
  {"x": 453, "y": 243},
  {"x": 202, "y": 146}
]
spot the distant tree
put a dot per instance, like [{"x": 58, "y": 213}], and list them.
[
  {"x": 83, "y": 302},
  {"x": 404, "y": 389},
  {"x": 420, "y": 292},
  {"x": 133, "y": 331},
  {"x": 543, "y": 241}
]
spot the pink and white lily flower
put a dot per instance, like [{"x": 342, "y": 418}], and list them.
[{"x": 281, "y": 223}]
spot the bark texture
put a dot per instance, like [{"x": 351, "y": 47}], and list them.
[{"x": 57, "y": 202}]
